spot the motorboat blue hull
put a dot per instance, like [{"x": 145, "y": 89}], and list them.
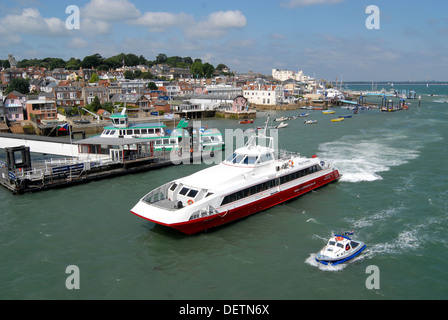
[{"x": 336, "y": 262}]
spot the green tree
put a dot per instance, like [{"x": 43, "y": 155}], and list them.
[
  {"x": 137, "y": 74},
  {"x": 18, "y": 84},
  {"x": 73, "y": 64},
  {"x": 129, "y": 75},
  {"x": 208, "y": 70},
  {"x": 196, "y": 69},
  {"x": 102, "y": 67},
  {"x": 54, "y": 63},
  {"x": 221, "y": 66},
  {"x": 94, "y": 78},
  {"x": 92, "y": 61},
  {"x": 161, "y": 58},
  {"x": 95, "y": 105},
  {"x": 147, "y": 75},
  {"x": 152, "y": 86}
]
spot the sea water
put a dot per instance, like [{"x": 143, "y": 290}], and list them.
[{"x": 393, "y": 194}]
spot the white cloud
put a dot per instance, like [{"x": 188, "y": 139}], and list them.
[
  {"x": 30, "y": 21},
  {"x": 304, "y": 3},
  {"x": 226, "y": 19},
  {"x": 77, "y": 43},
  {"x": 92, "y": 27},
  {"x": 160, "y": 21},
  {"x": 216, "y": 25},
  {"x": 110, "y": 10}
]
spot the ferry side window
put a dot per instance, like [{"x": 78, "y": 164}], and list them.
[
  {"x": 184, "y": 191},
  {"x": 144, "y": 131},
  {"x": 192, "y": 193},
  {"x": 129, "y": 132},
  {"x": 173, "y": 187}
]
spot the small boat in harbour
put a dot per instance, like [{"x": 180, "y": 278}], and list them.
[
  {"x": 304, "y": 115},
  {"x": 310, "y": 121},
  {"x": 281, "y": 119},
  {"x": 339, "y": 249},
  {"x": 345, "y": 117},
  {"x": 246, "y": 121},
  {"x": 328, "y": 111},
  {"x": 337, "y": 119},
  {"x": 281, "y": 125}
]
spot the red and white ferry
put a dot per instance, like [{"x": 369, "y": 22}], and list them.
[{"x": 252, "y": 179}]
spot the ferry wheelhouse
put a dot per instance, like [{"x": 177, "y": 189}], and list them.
[
  {"x": 164, "y": 138},
  {"x": 251, "y": 179}
]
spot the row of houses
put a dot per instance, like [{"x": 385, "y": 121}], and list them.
[{"x": 18, "y": 107}]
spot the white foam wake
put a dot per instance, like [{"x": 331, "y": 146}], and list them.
[{"x": 363, "y": 160}]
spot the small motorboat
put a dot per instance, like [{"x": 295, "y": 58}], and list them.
[
  {"x": 281, "y": 125},
  {"x": 328, "y": 111},
  {"x": 345, "y": 117},
  {"x": 81, "y": 121},
  {"x": 339, "y": 249},
  {"x": 337, "y": 119},
  {"x": 246, "y": 121},
  {"x": 304, "y": 115},
  {"x": 281, "y": 119},
  {"x": 310, "y": 121}
]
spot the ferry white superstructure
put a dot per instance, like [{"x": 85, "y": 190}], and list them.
[{"x": 251, "y": 179}]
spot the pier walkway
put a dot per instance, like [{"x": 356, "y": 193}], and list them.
[{"x": 40, "y": 144}]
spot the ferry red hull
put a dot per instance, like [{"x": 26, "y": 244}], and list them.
[{"x": 198, "y": 225}]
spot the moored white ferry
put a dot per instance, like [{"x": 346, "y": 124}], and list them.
[
  {"x": 164, "y": 138},
  {"x": 252, "y": 179}
]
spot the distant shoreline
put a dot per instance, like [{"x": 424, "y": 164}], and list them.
[{"x": 397, "y": 83}]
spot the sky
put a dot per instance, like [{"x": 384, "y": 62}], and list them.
[{"x": 400, "y": 40}]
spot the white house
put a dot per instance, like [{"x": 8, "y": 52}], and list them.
[
  {"x": 284, "y": 75},
  {"x": 264, "y": 94}
]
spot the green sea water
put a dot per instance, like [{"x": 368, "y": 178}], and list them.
[{"x": 393, "y": 194}]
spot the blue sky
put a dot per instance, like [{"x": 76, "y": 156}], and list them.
[{"x": 326, "y": 38}]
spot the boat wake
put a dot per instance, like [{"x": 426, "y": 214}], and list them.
[
  {"x": 311, "y": 260},
  {"x": 363, "y": 160}
]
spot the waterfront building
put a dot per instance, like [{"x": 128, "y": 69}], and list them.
[
  {"x": 264, "y": 94},
  {"x": 89, "y": 93},
  {"x": 41, "y": 110},
  {"x": 67, "y": 95},
  {"x": 14, "y": 106},
  {"x": 223, "y": 90},
  {"x": 284, "y": 75}
]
